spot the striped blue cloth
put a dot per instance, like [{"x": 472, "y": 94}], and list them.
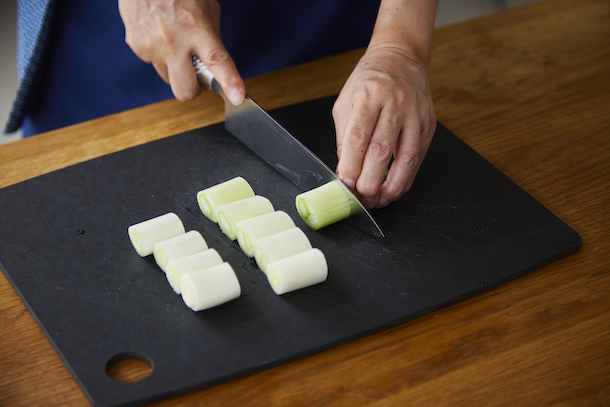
[
  {"x": 34, "y": 19},
  {"x": 30, "y": 20}
]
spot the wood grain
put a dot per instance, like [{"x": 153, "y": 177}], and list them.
[{"x": 529, "y": 89}]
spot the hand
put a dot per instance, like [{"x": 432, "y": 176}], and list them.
[
  {"x": 167, "y": 33},
  {"x": 385, "y": 109}
]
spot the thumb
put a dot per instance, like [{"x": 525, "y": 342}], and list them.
[{"x": 217, "y": 59}]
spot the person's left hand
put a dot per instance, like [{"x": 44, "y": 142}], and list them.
[{"x": 385, "y": 109}]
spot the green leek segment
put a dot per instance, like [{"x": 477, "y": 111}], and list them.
[
  {"x": 325, "y": 205},
  {"x": 229, "y": 191}
]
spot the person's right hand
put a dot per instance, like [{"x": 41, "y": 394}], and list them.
[{"x": 168, "y": 33}]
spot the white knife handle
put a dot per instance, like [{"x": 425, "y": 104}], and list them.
[{"x": 204, "y": 76}]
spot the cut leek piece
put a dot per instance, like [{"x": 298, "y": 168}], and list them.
[
  {"x": 210, "y": 287},
  {"x": 279, "y": 246},
  {"x": 299, "y": 271},
  {"x": 250, "y": 230},
  {"x": 325, "y": 205},
  {"x": 145, "y": 234},
  {"x": 195, "y": 262},
  {"x": 229, "y": 191},
  {"x": 230, "y": 214},
  {"x": 178, "y": 247}
]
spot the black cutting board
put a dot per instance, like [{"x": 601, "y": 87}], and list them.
[{"x": 462, "y": 229}]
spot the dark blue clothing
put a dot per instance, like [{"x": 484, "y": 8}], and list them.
[{"x": 90, "y": 72}]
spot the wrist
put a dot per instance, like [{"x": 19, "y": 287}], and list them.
[{"x": 405, "y": 26}]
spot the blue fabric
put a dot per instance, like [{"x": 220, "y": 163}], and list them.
[
  {"x": 91, "y": 72},
  {"x": 34, "y": 20},
  {"x": 264, "y": 36},
  {"x": 30, "y": 19}
]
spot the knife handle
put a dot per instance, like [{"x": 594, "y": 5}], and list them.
[{"x": 204, "y": 76}]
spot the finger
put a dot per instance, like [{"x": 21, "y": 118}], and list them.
[
  {"x": 407, "y": 160},
  {"x": 162, "y": 71},
  {"x": 354, "y": 139},
  {"x": 339, "y": 112},
  {"x": 182, "y": 77},
  {"x": 222, "y": 66},
  {"x": 378, "y": 155}
]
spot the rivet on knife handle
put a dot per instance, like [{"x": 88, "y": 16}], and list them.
[{"x": 204, "y": 76}]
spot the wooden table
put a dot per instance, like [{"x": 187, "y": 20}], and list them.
[{"x": 529, "y": 89}]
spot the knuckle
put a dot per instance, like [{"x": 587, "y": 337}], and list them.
[
  {"x": 380, "y": 82},
  {"x": 165, "y": 36},
  {"x": 129, "y": 40},
  {"x": 180, "y": 96},
  {"x": 368, "y": 91},
  {"x": 185, "y": 94},
  {"x": 393, "y": 192},
  {"x": 339, "y": 149},
  {"x": 408, "y": 163},
  {"x": 138, "y": 47},
  {"x": 188, "y": 19},
  {"x": 217, "y": 57},
  {"x": 379, "y": 152},
  {"x": 192, "y": 93},
  {"x": 357, "y": 138},
  {"x": 368, "y": 190},
  {"x": 335, "y": 111}
]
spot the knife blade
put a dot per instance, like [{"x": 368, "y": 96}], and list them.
[{"x": 254, "y": 127}]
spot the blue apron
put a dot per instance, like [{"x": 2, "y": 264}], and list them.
[{"x": 88, "y": 71}]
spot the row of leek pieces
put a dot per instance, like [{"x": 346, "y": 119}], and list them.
[{"x": 281, "y": 250}]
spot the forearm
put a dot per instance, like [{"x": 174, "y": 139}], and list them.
[{"x": 406, "y": 26}]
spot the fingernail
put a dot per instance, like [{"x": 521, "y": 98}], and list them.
[
  {"x": 349, "y": 183},
  {"x": 236, "y": 96}
]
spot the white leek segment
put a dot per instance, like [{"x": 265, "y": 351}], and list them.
[
  {"x": 230, "y": 214},
  {"x": 250, "y": 230},
  {"x": 178, "y": 247},
  {"x": 298, "y": 271},
  {"x": 229, "y": 191},
  {"x": 326, "y": 204},
  {"x": 210, "y": 287},
  {"x": 195, "y": 262},
  {"x": 145, "y": 234},
  {"x": 279, "y": 246}
]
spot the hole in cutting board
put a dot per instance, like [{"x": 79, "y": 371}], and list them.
[{"x": 129, "y": 367}]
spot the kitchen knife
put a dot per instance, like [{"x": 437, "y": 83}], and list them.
[{"x": 253, "y": 126}]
